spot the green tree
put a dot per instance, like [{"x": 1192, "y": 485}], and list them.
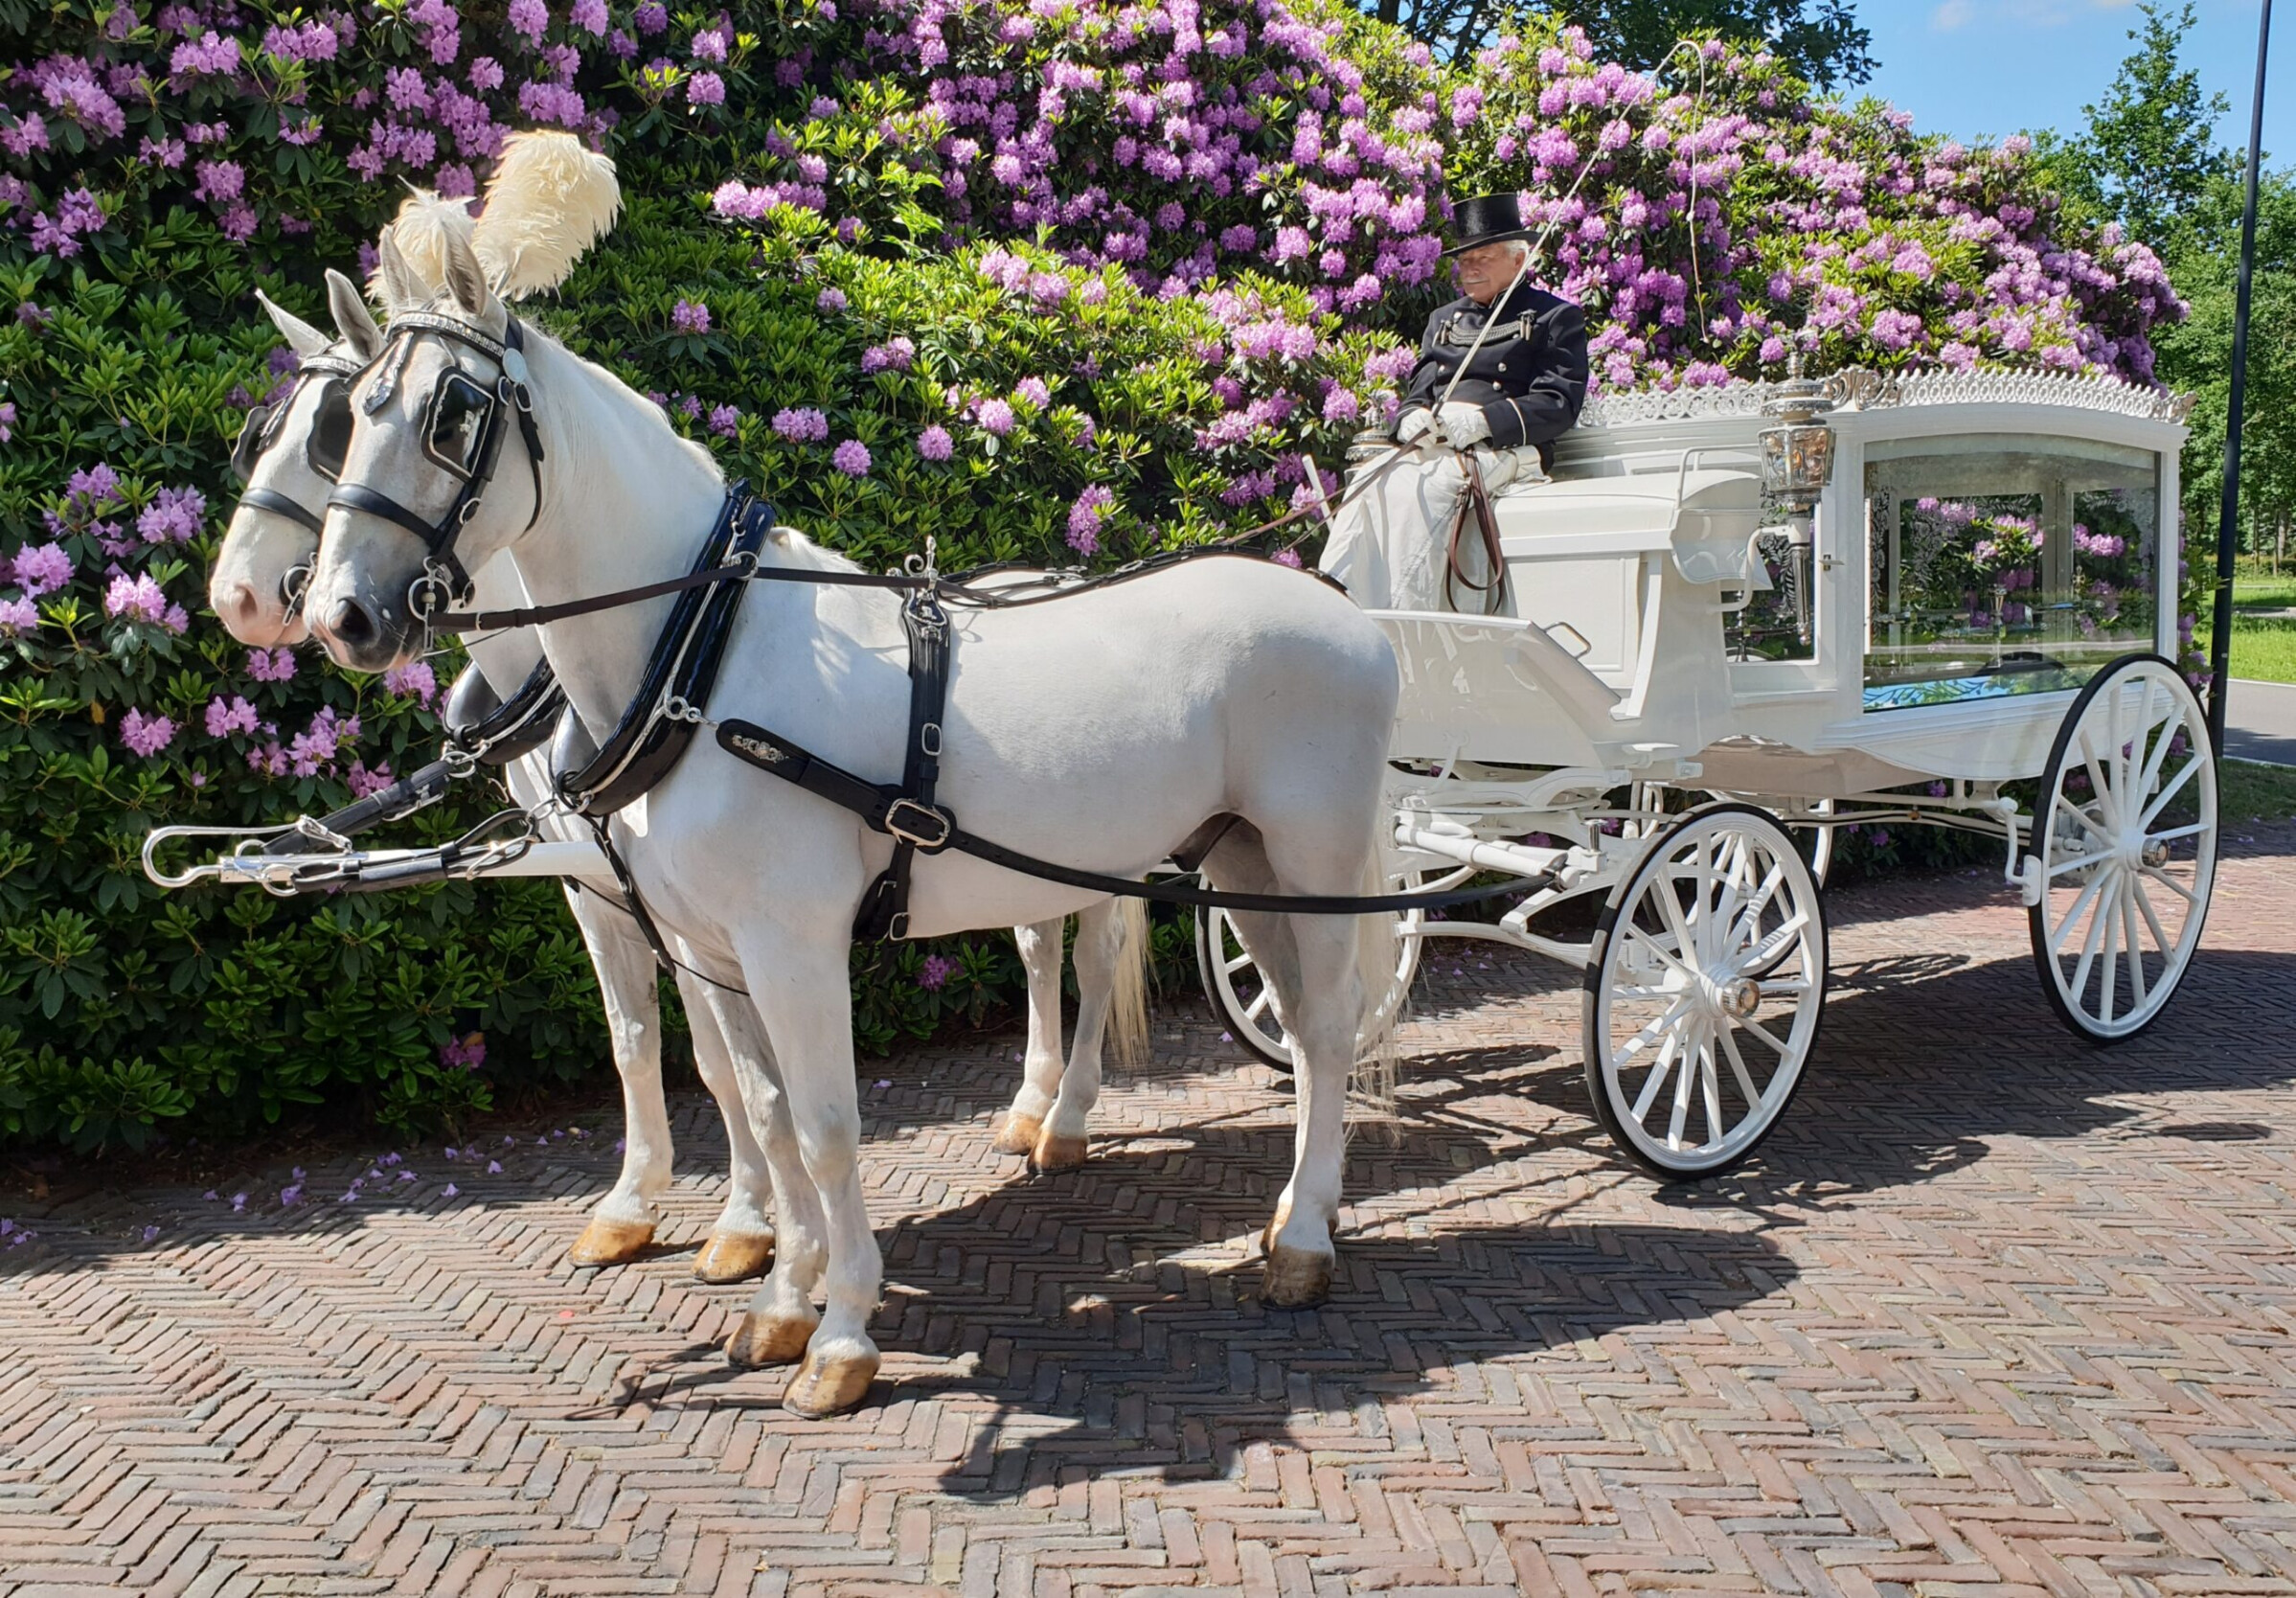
[
  {"x": 1819, "y": 39},
  {"x": 2149, "y": 158}
]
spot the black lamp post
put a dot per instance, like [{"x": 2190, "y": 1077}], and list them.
[{"x": 2228, "y": 519}]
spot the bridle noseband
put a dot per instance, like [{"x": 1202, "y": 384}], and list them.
[{"x": 462, "y": 428}]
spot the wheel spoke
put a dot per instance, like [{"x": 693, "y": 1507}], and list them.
[
  {"x": 1253, "y": 1010},
  {"x": 1655, "y": 1079},
  {"x": 2169, "y": 728},
  {"x": 1738, "y": 1069},
  {"x": 2065, "y": 928},
  {"x": 2108, "y": 972},
  {"x": 1771, "y": 945},
  {"x": 2175, "y": 833},
  {"x": 2172, "y": 885},
  {"x": 2097, "y": 784},
  {"x": 1710, "y": 1088},
  {"x": 1638, "y": 935},
  {"x": 1681, "y": 1105},
  {"x": 2063, "y": 866},
  {"x": 2161, "y": 803},
  {"x": 2135, "y": 949},
  {"x": 2089, "y": 941},
  {"x": 1763, "y": 1033},
  {"x": 2152, "y": 918},
  {"x": 1749, "y": 918},
  {"x": 1235, "y": 965},
  {"x": 2089, "y": 824},
  {"x": 1784, "y": 988}
]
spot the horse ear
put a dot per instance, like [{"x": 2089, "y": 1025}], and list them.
[
  {"x": 467, "y": 279},
  {"x": 302, "y": 337},
  {"x": 353, "y": 319},
  {"x": 402, "y": 288}
]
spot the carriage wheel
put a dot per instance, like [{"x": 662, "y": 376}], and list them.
[
  {"x": 1240, "y": 998},
  {"x": 1816, "y": 844},
  {"x": 2124, "y": 848},
  {"x": 1703, "y": 991}
]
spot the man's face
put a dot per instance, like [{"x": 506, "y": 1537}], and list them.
[{"x": 1486, "y": 269}]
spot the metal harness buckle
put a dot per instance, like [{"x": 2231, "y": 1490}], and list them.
[{"x": 930, "y": 830}]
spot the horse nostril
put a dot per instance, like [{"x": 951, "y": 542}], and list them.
[
  {"x": 240, "y": 604},
  {"x": 350, "y": 622}
]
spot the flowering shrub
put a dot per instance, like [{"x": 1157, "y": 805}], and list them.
[{"x": 1050, "y": 284}]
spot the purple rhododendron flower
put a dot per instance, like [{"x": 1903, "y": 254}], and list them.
[
  {"x": 935, "y": 971},
  {"x": 650, "y": 18},
  {"x": 589, "y": 15},
  {"x": 225, "y": 719},
  {"x": 934, "y": 444},
  {"x": 709, "y": 45},
  {"x": 271, "y": 665},
  {"x": 466, "y": 1054},
  {"x": 173, "y": 516},
  {"x": 801, "y": 424},
  {"x": 705, "y": 88},
  {"x": 18, "y": 616},
  {"x": 1085, "y": 519},
  {"x": 1034, "y": 391},
  {"x": 415, "y": 680},
  {"x": 8, "y": 420},
  {"x": 531, "y": 17},
  {"x": 832, "y": 300},
  {"x": 146, "y": 735},
  {"x": 997, "y": 416},
  {"x": 140, "y": 598},
  {"x": 691, "y": 316},
  {"x": 725, "y": 420},
  {"x": 852, "y": 457},
  {"x": 41, "y": 569}
]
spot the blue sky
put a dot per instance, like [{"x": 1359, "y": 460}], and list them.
[{"x": 1970, "y": 67}]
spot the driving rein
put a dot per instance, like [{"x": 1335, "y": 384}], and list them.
[{"x": 658, "y": 725}]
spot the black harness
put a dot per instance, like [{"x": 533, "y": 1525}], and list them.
[
  {"x": 462, "y": 429},
  {"x": 323, "y": 448}
]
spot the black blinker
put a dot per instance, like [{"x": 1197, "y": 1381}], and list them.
[{"x": 329, "y": 441}]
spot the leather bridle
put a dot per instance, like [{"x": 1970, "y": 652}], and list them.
[
  {"x": 323, "y": 449},
  {"x": 462, "y": 428}
]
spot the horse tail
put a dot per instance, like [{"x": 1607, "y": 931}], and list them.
[
  {"x": 1127, "y": 1003},
  {"x": 1372, "y": 1082}
]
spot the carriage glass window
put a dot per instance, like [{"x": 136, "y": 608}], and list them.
[{"x": 2005, "y": 565}]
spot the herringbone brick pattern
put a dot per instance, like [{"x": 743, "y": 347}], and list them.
[{"x": 1996, "y": 1313}]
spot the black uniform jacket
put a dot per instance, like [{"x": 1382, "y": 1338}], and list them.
[{"x": 1529, "y": 377}]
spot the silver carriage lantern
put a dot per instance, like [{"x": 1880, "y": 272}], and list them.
[{"x": 1797, "y": 462}]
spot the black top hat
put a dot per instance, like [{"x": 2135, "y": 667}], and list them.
[{"x": 1487, "y": 220}]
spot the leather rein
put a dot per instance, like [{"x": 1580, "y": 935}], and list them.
[{"x": 670, "y": 706}]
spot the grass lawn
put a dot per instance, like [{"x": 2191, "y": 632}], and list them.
[
  {"x": 2263, "y": 650},
  {"x": 2247, "y": 792}
]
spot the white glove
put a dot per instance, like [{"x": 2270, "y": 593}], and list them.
[
  {"x": 1414, "y": 425},
  {"x": 1465, "y": 425}
]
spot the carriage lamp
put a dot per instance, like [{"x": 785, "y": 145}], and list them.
[{"x": 1797, "y": 462}]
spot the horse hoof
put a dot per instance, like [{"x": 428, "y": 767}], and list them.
[
  {"x": 1295, "y": 1279},
  {"x": 733, "y": 1257},
  {"x": 1018, "y": 1134},
  {"x": 1054, "y": 1152},
  {"x": 769, "y": 1339},
  {"x": 606, "y": 1243},
  {"x": 830, "y": 1387}
]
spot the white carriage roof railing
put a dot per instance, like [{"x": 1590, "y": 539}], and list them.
[{"x": 1857, "y": 389}]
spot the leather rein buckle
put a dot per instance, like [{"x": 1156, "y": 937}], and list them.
[{"x": 929, "y": 833}]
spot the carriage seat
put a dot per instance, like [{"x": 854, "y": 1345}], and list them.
[{"x": 1585, "y": 551}]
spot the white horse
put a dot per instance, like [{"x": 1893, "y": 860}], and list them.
[
  {"x": 1236, "y": 704},
  {"x": 273, "y": 539}
]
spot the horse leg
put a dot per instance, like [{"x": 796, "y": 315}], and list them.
[
  {"x": 740, "y": 1242},
  {"x": 780, "y": 1317},
  {"x": 1100, "y": 944},
  {"x": 1308, "y": 963},
  {"x": 1022, "y": 1127},
  {"x": 624, "y": 1222},
  {"x": 799, "y": 985}
]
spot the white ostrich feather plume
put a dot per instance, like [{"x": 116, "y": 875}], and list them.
[
  {"x": 552, "y": 197},
  {"x": 424, "y": 223}
]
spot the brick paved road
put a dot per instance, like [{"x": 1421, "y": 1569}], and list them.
[{"x": 1995, "y": 1313}]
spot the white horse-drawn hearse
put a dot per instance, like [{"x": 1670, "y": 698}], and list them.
[
  {"x": 1798, "y": 606},
  {"x": 1941, "y": 599}
]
